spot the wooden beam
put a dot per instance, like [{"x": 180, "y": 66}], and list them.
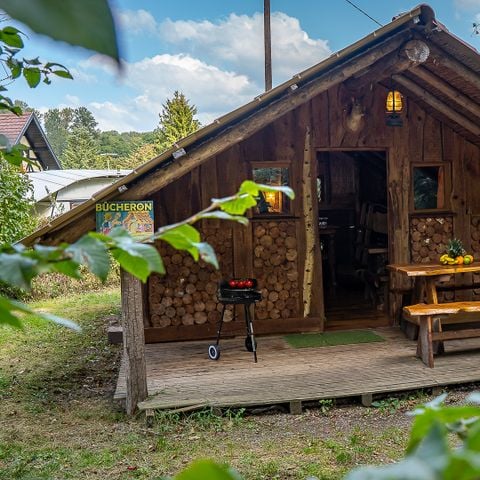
[
  {"x": 442, "y": 58},
  {"x": 437, "y": 104},
  {"x": 268, "y": 45},
  {"x": 155, "y": 180},
  {"x": 446, "y": 89},
  {"x": 309, "y": 225},
  {"x": 409, "y": 55},
  {"x": 133, "y": 341}
]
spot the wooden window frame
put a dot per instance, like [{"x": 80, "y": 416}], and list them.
[
  {"x": 274, "y": 164},
  {"x": 447, "y": 187}
]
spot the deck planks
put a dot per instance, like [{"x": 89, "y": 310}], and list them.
[{"x": 181, "y": 375}]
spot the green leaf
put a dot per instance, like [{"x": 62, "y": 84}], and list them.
[
  {"x": 133, "y": 264},
  {"x": 225, "y": 216},
  {"x": 10, "y": 36},
  {"x": 6, "y": 315},
  {"x": 7, "y": 307},
  {"x": 32, "y": 76},
  {"x": 93, "y": 253},
  {"x": 252, "y": 188},
  {"x": 87, "y": 23},
  {"x": 15, "y": 69},
  {"x": 16, "y": 269},
  {"x": 183, "y": 237},
  {"x": 408, "y": 469},
  {"x": 207, "y": 253},
  {"x": 136, "y": 258},
  {"x": 32, "y": 61},
  {"x": 207, "y": 470},
  {"x": 236, "y": 206},
  {"x": 68, "y": 267},
  {"x": 62, "y": 74}
]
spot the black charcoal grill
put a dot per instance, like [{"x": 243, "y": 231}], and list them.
[{"x": 237, "y": 292}]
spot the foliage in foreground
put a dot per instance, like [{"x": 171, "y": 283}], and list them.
[{"x": 429, "y": 455}]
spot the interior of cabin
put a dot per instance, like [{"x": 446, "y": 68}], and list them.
[{"x": 353, "y": 235}]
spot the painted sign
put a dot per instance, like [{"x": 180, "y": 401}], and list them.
[{"x": 135, "y": 217}]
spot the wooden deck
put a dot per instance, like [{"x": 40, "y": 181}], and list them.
[{"x": 181, "y": 374}]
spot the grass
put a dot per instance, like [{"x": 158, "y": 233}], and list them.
[
  {"x": 327, "y": 339},
  {"x": 58, "y": 420}
]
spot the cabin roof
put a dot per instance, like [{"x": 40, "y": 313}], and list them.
[
  {"x": 448, "y": 88},
  {"x": 14, "y": 127}
]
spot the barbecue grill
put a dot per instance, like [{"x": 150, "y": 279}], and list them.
[{"x": 237, "y": 292}]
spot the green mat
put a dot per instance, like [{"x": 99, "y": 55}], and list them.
[{"x": 328, "y": 339}]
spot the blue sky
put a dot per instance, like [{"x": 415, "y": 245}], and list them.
[{"x": 211, "y": 50}]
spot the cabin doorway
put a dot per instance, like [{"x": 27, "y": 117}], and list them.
[{"x": 353, "y": 236}]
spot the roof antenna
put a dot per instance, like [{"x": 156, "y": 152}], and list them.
[{"x": 268, "y": 45}]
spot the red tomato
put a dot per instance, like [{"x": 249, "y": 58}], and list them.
[
  {"x": 241, "y": 284},
  {"x": 249, "y": 283},
  {"x": 232, "y": 283}
]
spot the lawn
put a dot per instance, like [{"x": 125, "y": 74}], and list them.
[{"x": 58, "y": 419}]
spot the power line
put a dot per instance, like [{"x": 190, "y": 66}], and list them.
[{"x": 363, "y": 11}]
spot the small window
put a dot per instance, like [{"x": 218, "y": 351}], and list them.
[
  {"x": 429, "y": 187},
  {"x": 272, "y": 202}
]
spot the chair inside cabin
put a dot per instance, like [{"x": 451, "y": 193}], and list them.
[{"x": 371, "y": 251}]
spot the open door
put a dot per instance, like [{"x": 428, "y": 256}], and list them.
[{"x": 353, "y": 234}]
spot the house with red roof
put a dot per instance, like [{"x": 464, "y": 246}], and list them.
[{"x": 26, "y": 129}]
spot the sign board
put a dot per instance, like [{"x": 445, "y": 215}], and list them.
[{"x": 135, "y": 217}]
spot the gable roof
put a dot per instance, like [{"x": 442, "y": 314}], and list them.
[
  {"x": 452, "y": 74},
  {"x": 14, "y": 127}
]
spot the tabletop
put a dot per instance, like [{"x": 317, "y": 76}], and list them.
[{"x": 432, "y": 269}]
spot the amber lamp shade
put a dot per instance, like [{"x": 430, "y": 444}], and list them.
[{"x": 394, "y": 103}]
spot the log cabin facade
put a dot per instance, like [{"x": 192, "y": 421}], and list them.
[{"x": 325, "y": 134}]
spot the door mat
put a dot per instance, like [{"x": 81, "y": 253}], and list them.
[{"x": 328, "y": 339}]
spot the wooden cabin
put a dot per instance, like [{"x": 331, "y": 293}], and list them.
[{"x": 371, "y": 187}]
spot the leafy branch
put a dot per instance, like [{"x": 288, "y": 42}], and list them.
[{"x": 19, "y": 265}]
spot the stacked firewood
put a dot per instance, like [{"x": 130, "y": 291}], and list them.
[
  {"x": 429, "y": 237},
  {"x": 186, "y": 295},
  {"x": 275, "y": 267}
]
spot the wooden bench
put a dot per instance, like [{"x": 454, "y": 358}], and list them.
[{"x": 431, "y": 317}]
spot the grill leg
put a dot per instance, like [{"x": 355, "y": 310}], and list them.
[
  {"x": 248, "y": 321},
  {"x": 220, "y": 324}
]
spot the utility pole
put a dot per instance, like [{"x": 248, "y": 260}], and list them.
[{"x": 268, "y": 45}]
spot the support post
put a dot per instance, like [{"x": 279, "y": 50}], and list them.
[
  {"x": 133, "y": 341},
  {"x": 268, "y": 45}
]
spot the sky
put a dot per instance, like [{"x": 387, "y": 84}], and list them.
[{"x": 212, "y": 51}]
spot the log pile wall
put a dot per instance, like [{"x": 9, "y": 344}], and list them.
[
  {"x": 429, "y": 237},
  {"x": 276, "y": 269},
  {"x": 186, "y": 295}
]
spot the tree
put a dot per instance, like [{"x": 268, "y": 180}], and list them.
[
  {"x": 176, "y": 121},
  {"x": 81, "y": 150},
  {"x": 57, "y": 124},
  {"x": 16, "y": 201},
  {"x": 141, "y": 155},
  {"x": 83, "y": 117}
]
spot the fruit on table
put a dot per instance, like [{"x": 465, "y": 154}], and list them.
[{"x": 455, "y": 254}]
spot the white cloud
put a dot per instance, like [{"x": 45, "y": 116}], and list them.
[
  {"x": 135, "y": 21},
  {"x": 237, "y": 42},
  {"x": 467, "y": 4},
  {"x": 152, "y": 80},
  {"x": 218, "y": 66},
  {"x": 73, "y": 100}
]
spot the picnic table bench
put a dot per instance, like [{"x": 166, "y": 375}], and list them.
[{"x": 431, "y": 317}]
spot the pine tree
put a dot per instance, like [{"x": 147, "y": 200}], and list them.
[
  {"x": 176, "y": 121},
  {"x": 81, "y": 150}
]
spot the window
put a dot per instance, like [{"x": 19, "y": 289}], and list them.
[
  {"x": 428, "y": 187},
  {"x": 272, "y": 202}
]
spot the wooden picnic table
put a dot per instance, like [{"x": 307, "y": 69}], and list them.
[{"x": 426, "y": 277}]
